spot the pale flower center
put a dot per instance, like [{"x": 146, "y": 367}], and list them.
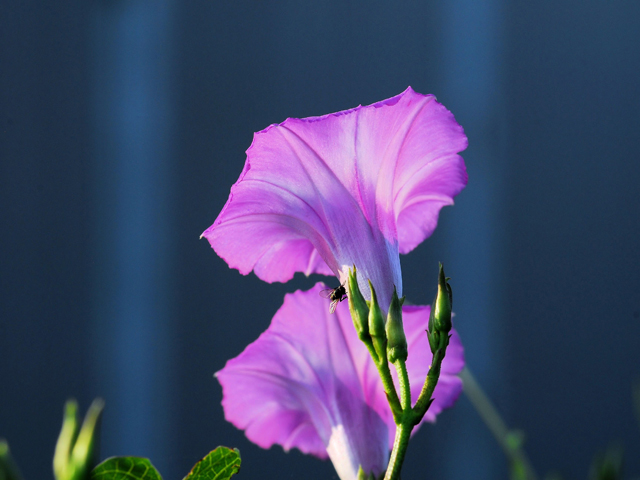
[{"x": 341, "y": 454}]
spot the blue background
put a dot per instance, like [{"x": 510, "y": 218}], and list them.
[{"x": 123, "y": 125}]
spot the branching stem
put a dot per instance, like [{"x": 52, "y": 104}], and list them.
[{"x": 410, "y": 417}]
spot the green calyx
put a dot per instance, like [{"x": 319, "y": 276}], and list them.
[
  {"x": 364, "y": 476},
  {"x": 397, "y": 341},
  {"x": 358, "y": 307}
]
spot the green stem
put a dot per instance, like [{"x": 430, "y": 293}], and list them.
[
  {"x": 390, "y": 389},
  {"x": 372, "y": 351},
  {"x": 405, "y": 388},
  {"x": 385, "y": 375},
  {"x": 424, "y": 399},
  {"x": 410, "y": 417},
  {"x": 405, "y": 422},
  {"x": 403, "y": 432},
  {"x": 494, "y": 422}
]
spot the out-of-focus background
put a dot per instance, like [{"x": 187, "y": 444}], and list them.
[{"x": 123, "y": 125}]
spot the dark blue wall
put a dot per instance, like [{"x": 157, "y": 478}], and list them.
[{"x": 123, "y": 126}]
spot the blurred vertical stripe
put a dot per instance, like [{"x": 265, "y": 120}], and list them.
[
  {"x": 132, "y": 181},
  {"x": 471, "y": 86}
]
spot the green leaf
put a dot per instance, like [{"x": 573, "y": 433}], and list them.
[
  {"x": 8, "y": 469},
  {"x": 220, "y": 464},
  {"x": 125, "y": 468}
]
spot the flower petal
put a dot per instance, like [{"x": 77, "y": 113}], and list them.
[
  {"x": 299, "y": 386},
  {"x": 321, "y": 194},
  {"x": 308, "y": 382}
]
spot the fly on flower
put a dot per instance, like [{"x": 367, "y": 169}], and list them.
[{"x": 336, "y": 295}]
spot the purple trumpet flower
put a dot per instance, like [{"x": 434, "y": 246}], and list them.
[
  {"x": 308, "y": 382},
  {"x": 358, "y": 187}
]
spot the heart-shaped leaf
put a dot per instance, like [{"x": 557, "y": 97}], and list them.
[
  {"x": 125, "y": 468},
  {"x": 220, "y": 464}
]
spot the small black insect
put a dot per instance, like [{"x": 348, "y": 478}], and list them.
[{"x": 336, "y": 295}]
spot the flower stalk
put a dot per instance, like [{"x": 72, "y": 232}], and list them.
[{"x": 389, "y": 345}]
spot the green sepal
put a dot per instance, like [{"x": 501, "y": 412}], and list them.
[
  {"x": 364, "y": 476},
  {"x": 437, "y": 340},
  {"x": 376, "y": 326},
  {"x": 358, "y": 307},
  {"x": 8, "y": 469},
  {"x": 125, "y": 468},
  {"x": 434, "y": 339},
  {"x": 75, "y": 453},
  {"x": 396, "y": 339},
  {"x": 220, "y": 464}
]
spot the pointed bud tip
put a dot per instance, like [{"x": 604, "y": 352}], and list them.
[
  {"x": 397, "y": 342},
  {"x": 358, "y": 306},
  {"x": 373, "y": 292},
  {"x": 71, "y": 407},
  {"x": 441, "y": 275}
]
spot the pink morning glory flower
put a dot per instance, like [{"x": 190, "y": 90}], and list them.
[
  {"x": 308, "y": 382},
  {"x": 358, "y": 187}
]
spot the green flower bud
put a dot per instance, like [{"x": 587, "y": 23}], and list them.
[
  {"x": 440, "y": 317},
  {"x": 74, "y": 456},
  {"x": 358, "y": 306},
  {"x": 376, "y": 326},
  {"x": 397, "y": 342}
]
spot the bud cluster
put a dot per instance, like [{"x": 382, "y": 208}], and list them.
[
  {"x": 387, "y": 342},
  {"x": 386, "y": 338}
]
